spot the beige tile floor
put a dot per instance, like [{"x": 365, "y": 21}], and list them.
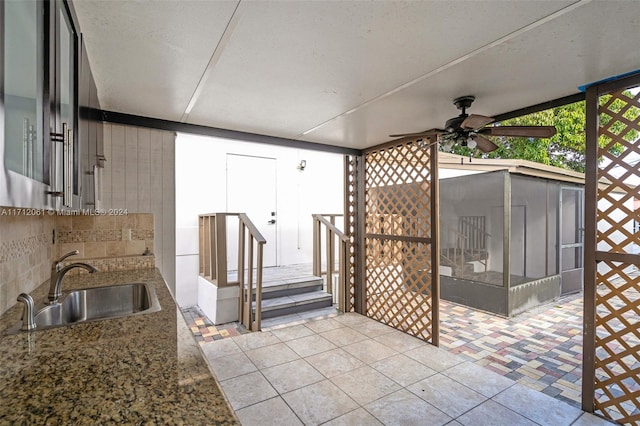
[{"x": 351, "y": 370}]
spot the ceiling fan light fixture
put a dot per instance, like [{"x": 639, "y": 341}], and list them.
[{"x": 471, "y": 143}]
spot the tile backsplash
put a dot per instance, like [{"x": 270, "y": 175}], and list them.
[
  {"x": 105, "y": 236},
  {"x": 26, "y": 253},
  {"x": 29, "y": 245}
]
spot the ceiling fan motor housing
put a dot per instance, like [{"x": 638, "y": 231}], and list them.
[
  {"x": 462, "y": 103},
  {"x": 453, "y": 124}
]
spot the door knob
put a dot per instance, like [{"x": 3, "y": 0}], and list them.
[{"x": 272, "y": 222}]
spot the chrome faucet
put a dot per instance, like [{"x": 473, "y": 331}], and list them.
[
  {"x": 58, "y": 272},
  {"x": 28, "y": 313}
]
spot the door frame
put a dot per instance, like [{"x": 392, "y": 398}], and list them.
[{"x": 580, "y": 212}]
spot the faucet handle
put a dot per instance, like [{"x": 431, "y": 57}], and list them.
[{"x": 71, "y": 253}]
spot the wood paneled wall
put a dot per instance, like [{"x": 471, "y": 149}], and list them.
[{"x": 139, "y": 176}]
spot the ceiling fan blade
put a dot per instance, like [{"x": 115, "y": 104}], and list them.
[
  {"x": 430, "y": 132},
  {"x": 484, "y": 144},
  {"x": 522, "y": 131},
  {"x": 475, "y": 121}
]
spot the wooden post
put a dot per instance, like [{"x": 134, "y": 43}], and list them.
[
  {"x": 435, "y": 247},
  {"x": 590, "y": 247},
  {"x": 342, "y": 283},
  {"x": 221, "y": 249},
  {"x": 361, "y": 285},
  {"x": 317, "y": 248},
  {"x": 241, "y": 281},
  {"x": 250, "y": 288},
  {"x": 330, "y": 259},
  {"x": 258, "y": 320}
]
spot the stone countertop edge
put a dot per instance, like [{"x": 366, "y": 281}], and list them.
[{"x": 142, "y": 369}]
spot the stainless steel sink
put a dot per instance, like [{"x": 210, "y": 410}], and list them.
[{"x": 97, "y": 303}]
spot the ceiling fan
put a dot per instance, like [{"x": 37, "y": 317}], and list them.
[{"x": 469, "y": 130}]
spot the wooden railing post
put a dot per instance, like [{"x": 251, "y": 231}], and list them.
[
  {"x": 331, "y": 233},
  {"x": 330, "y": 259},
  {"x": 245, "y": 297},
  {"x": 317, "y": 247},
  {"x": 331, "y": 255},
  {"x": 250, "y": 282},
  {"x": 211, "y": 242},
  {"x": 248, "y": 237},
  {"x": 201, "y": 254},
  {"x": 220, "y": 241},
  {"x": 342, "y": 275},
  {"x": 258, "y": 318}
]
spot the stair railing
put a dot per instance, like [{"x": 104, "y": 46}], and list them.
[
  {"x": 248, "y": 235},
  {"x": 454, "y": 254},
  {"x": 213, "y": 261},
  {"x": 474, "y": 229},
  {"x": 332, "y": 233},
  {"x": 470, "y": 241}
]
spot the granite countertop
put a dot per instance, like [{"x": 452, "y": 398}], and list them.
[{"x": 143, "y": 369}]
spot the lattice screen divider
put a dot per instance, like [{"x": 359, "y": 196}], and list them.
[
  {"x": 611, "y": 380},
  {"x": 401, "y": 242}
]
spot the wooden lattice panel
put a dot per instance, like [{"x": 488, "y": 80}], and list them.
[
  {"x": 617, "y": 358},
  {"x": 617, "y": 304},
  {"x": 398, "y": 218},
  {"x": 620, "y": 129},
  {"x": 399, "y": 293},
  {"x": 350, "y": 220}
]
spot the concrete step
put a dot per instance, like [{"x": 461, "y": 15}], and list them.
[
  {"x": 467, "y": 269},
  {"x": 291, "y": 286},
  {"x": 291, "y": 304}
]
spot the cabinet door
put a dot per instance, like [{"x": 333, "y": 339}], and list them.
[
  {"x": 23, "y": 78},
  {"x": 87, "y": 132},
  {"x": 38, "y": 105},
  {"x": 64, "y": 116}
]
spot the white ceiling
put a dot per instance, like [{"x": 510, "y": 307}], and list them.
[{"x": 348, "y": 73}]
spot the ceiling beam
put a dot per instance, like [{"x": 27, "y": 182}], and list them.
[{"x": 175, "y": 126}]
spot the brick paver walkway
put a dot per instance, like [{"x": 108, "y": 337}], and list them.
[{"x": 541, "y": 349}]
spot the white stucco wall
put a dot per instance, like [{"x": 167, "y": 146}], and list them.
[{"x": 201, "y": 188}]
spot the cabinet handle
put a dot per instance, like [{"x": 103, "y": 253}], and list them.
[
  {"x": 64, "y": 189},
  {"x": 67, "y": 164},
  {"x": 97, "y": 177},
  {"x": 56, "y": 140}
]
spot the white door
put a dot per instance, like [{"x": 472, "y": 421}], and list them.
[{"x": 251, "y": 189}]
